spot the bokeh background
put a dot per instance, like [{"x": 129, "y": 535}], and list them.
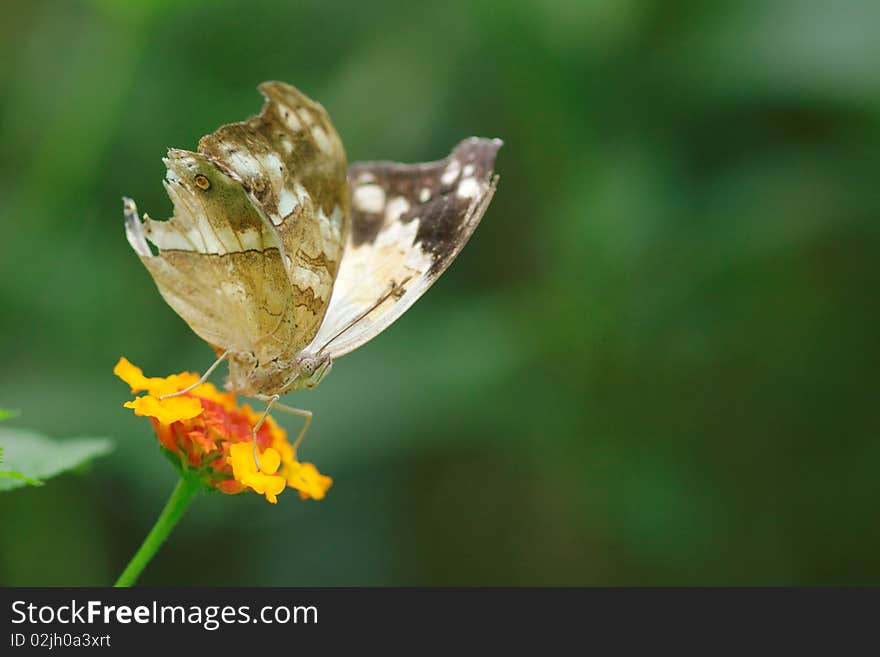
[{"x": 655, "y": 363}]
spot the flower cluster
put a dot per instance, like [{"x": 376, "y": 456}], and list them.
[{"x": 212, "y": 437}]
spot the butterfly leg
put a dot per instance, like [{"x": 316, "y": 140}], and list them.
[
  {"x": 270, "y": 400},
  {"x": 284, "y": 408},
  {"x": 201, "y": 380},
  {"x": 299, "y": 412}
]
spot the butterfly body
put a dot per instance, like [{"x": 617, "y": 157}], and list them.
[{"x": 284, "y": 258}]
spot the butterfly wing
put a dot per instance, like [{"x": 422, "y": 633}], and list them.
[
  {"x": 292, "y": 165},
  {"x": 409, "y": 221},
  {"x": 260, "y": 218},
  {"x": 218, "y": 265}
]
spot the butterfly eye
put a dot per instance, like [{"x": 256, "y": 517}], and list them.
[{"x": 202, "y": 182}]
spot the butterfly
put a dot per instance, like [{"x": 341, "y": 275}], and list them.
[{"x": 283, "y": 258}]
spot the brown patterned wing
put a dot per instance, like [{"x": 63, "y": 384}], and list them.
[
  {"x": 291, "y": 162},
  {"x": 409, "y": 221},
  {"x": 219, "y": 265},
  {"x": 260, "y": 220}
]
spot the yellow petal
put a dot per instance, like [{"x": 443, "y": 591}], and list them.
[
  {"x": 172, "y": 383},
  {"x": 305, "y": 478},
  {"x": 131, "y": 374},
  {"x": 155, "y": 385},
  {"x": 241, "y": 458},
  {"x": 244, "y": 470},
  {"x": 269, "y": 485},
  {"x": 168, "y": 410},
  {"x": 284, "y": 449},
  {"x": 269, "y": 461}
]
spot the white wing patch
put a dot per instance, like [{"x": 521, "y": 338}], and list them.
[{"x": 368, "y": 198}]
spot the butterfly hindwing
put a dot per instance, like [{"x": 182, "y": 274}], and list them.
[{"x": 409, "y": 221}]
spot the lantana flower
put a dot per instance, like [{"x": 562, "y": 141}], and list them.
[{"x": 210, "y": 437}]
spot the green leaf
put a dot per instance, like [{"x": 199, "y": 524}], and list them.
[
  {"x": 30, "y": 458},
  {"x": 5, "y": 414}
]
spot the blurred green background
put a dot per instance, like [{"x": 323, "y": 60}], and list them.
[{"x": 655, "y": 363}]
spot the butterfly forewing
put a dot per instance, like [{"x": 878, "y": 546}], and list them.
[
  {"x": 291, "y": 162},
  {"x": 218, "y": 264},
  {"x": 260, "y": 220}
]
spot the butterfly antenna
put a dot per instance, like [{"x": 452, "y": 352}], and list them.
[{"x": 201, "y": 380}]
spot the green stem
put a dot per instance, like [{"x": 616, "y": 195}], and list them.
[{"x": 174, "y": 508}]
